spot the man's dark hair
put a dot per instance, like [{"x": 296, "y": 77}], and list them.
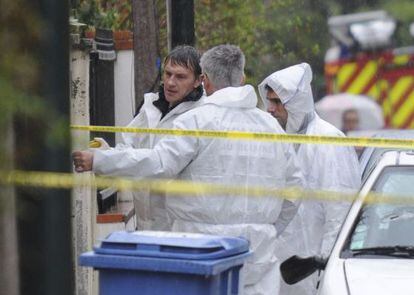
[{"x": 186, "y": 56}]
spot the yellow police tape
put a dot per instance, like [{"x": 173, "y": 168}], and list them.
[
  {"x": 291, "y": 138},
  {"x": 179, "y": 187}
]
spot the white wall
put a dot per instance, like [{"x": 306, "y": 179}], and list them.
[
  {"x": 124, "y": 96},
  {"x": 124, "y": 88}
]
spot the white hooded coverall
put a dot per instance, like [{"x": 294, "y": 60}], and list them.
[
  {"x": 150, "y": 207},
  {"x": 222, "y": 161},
  {"x": 325, "y": 167}
]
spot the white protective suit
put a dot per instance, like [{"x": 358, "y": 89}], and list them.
[
  {"x": 150, "y": 207},
  {"x": 325, "y": 167},
  {"x": 223, "y": 161}
]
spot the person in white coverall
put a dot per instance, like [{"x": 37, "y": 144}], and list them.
[
  {"x": 287, "y": 94},
  {"x": 228, "y": 106},
  {"x": 181, "y": 91}
]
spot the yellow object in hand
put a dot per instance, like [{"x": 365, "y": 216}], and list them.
[{"x": 95, "y": 144}]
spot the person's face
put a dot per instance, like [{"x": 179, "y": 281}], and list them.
[
  {"x": 276, "y": 108},
  {"x": 178, "y": 81},
  {"x": 350, "y": 121}
]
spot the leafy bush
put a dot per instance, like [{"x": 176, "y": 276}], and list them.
[{"x": 106, "y": 14}]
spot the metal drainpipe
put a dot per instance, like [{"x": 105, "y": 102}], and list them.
[
  {"x": 180, "y": 23},
  {"x": 102, "y": 96},
  {"x": 102, "y": 93}
]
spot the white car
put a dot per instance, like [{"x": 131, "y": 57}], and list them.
[{"x": 374, "y": 251}]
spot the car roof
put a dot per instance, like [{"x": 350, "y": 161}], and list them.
[{"x": 371, "y": 155}]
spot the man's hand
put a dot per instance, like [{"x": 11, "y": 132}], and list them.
[{"x": 82, "y": 160}]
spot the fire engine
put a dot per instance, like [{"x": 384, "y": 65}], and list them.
[{"x": 364, "y": 61}]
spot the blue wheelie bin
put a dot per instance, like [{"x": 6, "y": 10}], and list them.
[{"x": 146, "y": 262}]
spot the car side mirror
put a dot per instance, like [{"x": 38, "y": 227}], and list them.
[{"x": 295, "y": 268}]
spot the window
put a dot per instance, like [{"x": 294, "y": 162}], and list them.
[{"x": 387, "y": 225}]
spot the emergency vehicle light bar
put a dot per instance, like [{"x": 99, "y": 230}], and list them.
[{"x": 368, "y": 29}]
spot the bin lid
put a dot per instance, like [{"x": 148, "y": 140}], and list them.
[{"x": 171, "y": 245}]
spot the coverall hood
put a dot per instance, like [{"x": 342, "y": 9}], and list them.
[{"x": 293, "y": 87}]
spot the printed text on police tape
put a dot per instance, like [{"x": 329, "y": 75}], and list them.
[
  {"x": 179, "y": 187},
  {"x": 239, "y": 135}
]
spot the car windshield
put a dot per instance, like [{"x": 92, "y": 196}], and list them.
[{"x": 387, "y": 225}]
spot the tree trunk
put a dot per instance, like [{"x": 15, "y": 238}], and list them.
[
  {"x": 146, "y": 52},
  {"x": 42, "y": 143}
]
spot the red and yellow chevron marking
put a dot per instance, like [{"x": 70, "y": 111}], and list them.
[
  {"x": 387, "y": 79},
  {"x": 401, "y": 60},
  {"x": 399, "y": 109},
  {"x": 359, "y": 78},
  {"x": 401, "y": 97}
]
